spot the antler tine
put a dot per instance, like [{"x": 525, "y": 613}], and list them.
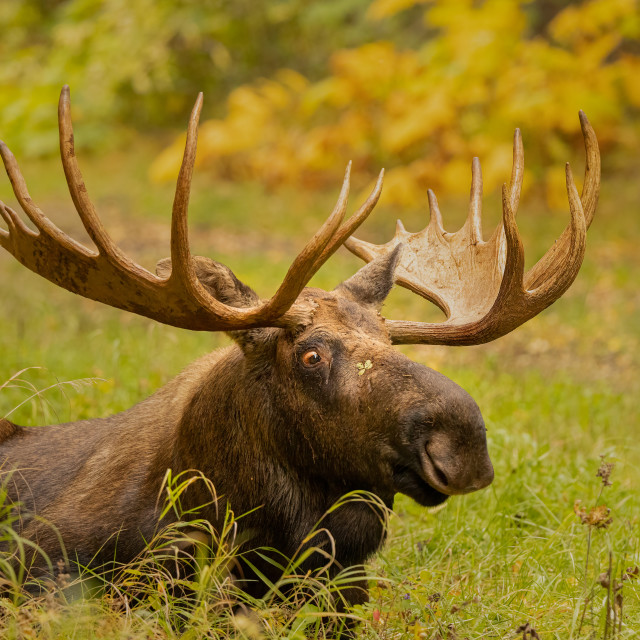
[
  {"x": 40, "y": 221},
  {"x": 552, "y": 262},
  {"x": 514, "y": 262},
  {"x": 181, "y": 266},
  {"x": 352, "y": 223},
  {"x": 19, "y": 186},
  {"x": 517, "y": 171},
  {"x": 562, "y": 262},
  {"x": 435, "y": 217},
  {"x": 13, "y": 221},
  {"x": 474, "y": 219},
  {"x": 77, "y": 188},
  {"x": 309, "y": 260},
  {"x": 182, "y": 270},
  {"x": 515, "y": 181},
  {"x": 591, "y": 186},
  {"x": 9, "y": 220}
]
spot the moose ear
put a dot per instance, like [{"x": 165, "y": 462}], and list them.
[
  {"x": 372, "y": 284},
  {"x": 218, "y": 279},
  {"x": 223, "y": 285}
]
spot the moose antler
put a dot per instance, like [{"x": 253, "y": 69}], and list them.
[
  {"x": 109, "y": 276},
  {"x": 481, "y": 286}
]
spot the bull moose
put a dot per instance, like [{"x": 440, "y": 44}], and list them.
[{"x": 289, "y": 418}]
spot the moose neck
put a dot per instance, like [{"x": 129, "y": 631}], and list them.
[{"x": 245, "y": 439}]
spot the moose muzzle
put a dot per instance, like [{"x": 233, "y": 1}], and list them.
[
  {"x": 447, "y": 446},
  {"x": 455, "y": 472}
]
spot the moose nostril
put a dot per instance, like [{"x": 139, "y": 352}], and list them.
[{"x": 440, "y": 475}]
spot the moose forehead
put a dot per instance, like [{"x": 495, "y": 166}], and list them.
[{"x": 338, "y": 314}]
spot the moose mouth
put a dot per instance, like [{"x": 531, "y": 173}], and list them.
[{"x": 416, "y": 486}]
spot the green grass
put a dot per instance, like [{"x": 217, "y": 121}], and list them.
[{"x": 557, "y": 394}]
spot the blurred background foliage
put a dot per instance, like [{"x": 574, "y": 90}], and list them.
[
  {"x": 422, "y": 108},
  {"x": 416, "y": 86},
  {"x": 142, "y": 63}
]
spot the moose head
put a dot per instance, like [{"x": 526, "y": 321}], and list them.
[{"x": 312, "y": 401}]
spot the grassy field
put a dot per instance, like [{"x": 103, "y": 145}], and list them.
[{"x": 559, "y": 396}]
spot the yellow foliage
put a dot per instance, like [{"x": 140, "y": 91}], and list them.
[
  {"x": 455, "y": 176},
  {"x": 556, "y": 191},
  {"x": 629, "y": 70},
  {"x": 400, "y": 187},
  {"x": 384, "y": 8},
  {"x": 424, "y": 112},
  {"x": 583, "y": 22}
]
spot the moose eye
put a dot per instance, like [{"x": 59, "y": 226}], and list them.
[{"x": 311, "y": 358}]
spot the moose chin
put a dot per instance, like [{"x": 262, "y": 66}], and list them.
[{"x": 310, "y": 403}]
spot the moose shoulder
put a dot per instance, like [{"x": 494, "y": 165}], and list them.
[{"x": 310, "y": 403}]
